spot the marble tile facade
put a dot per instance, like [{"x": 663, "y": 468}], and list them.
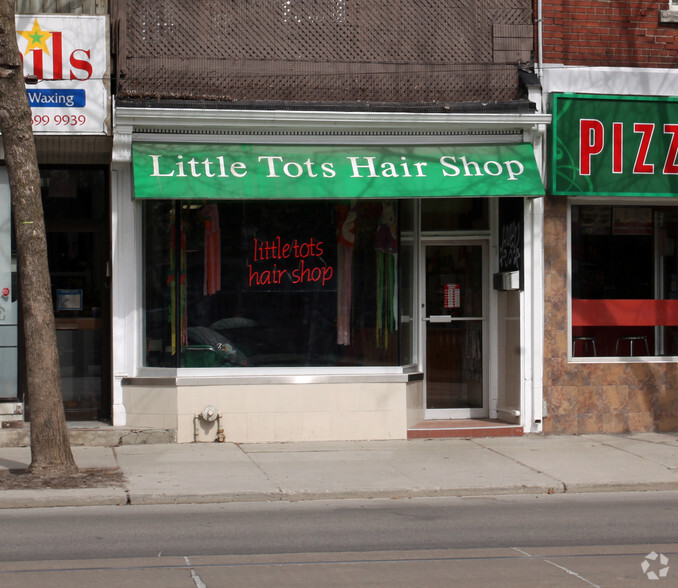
[{"x": 597, "y": 397}]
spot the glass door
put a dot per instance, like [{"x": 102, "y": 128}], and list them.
[
  {"x": 455, "y": 331},
  {"x": 75, "y": 201},
  {"x": 9, "y": 339}
]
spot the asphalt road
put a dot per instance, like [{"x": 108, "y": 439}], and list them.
[{"x": 556, "y": 540}]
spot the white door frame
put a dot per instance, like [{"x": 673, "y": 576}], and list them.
[{"x": 484, "y": 242}]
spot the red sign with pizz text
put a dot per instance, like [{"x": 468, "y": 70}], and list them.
[{"x": 614, "y": 145}]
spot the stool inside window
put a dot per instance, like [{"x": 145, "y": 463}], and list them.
[
  {"x": 631, "y": 343},
  {"x": 585, "y": 345}
]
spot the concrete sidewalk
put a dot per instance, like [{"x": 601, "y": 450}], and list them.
[{"x": 200, "y": 473}]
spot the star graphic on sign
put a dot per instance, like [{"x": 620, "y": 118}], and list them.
[{"x": 36, "y": 37}]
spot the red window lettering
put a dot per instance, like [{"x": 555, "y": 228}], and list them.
[
  {"x": 591, "y": 141},
  {"x": 641, "y": 166}
]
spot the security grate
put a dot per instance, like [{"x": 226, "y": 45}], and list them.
[{"x": 322, "y": 50}]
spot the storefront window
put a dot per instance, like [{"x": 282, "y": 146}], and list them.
[
  {"x": 294, "y": 283},
  {"x": 624, "y": 281},
  {"x": 407, "y": 220},
  {"x": 75, "y": 202},
  {"x": 455, "y": 214}
]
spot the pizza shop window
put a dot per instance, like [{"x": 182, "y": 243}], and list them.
[
  {"x": 272, "y": 283},
  {"x": 624, "y": 281}
]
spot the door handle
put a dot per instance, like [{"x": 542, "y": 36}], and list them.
[{"x": 438, "y": 318}]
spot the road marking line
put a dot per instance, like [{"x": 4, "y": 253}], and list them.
[
  {"x": 572, "y": 573},
  {"x": 196, "y": 579}
]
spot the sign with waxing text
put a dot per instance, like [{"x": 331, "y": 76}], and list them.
[{"x": 65, "y": 61}]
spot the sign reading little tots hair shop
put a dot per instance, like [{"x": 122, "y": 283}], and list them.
[
  {"x": 65, "y": 61},
  {"x": 614, "y": 145},
  {"x": 226, "y": 171}
]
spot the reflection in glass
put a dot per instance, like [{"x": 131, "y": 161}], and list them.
[
  {"x": 80, "y": 368},
  {"x": 454, "y": 371},
  {"x": 75, "y": 204},
  {"x": 625, "y": 254},
  {"x": 454, "y": 350},
  {"x": 455, "y": 214},
  {"x": 294, "y": 283}
]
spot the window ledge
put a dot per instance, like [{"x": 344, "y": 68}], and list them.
[
  {"x": 625, "y": 359},
  {"x": 668, "y": 15},
  {"x": 236, "y": 380}
]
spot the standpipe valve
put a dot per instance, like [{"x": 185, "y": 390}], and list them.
[{"x": 209, "y": 414}]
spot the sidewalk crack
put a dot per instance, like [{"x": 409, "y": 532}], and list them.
[
  {"x": 629, "y": 452},
  {"x": 529, "y": 467},
  {"x": 256, "y": 465},
  {"x": 115, "y": 456}
]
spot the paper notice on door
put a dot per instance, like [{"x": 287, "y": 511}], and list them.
[
  {"x": 452, "y": 296},
  {"x": 69, "y": 299}
]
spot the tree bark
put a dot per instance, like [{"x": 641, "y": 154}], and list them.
[{"x": 50, "y": 446}]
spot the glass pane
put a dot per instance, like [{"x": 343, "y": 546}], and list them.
[
  {"x": 624, "y": 275},
  {"x": 80, "y": 366},
  {"x": 70, "y": 194},
  {"x": 160, "y": 284},
  {"x": 406, "y": 261},
  {"x": 76, "y": 270},
  {"x": 75, "y": 203},
  {"x": 454, "y": 351},
  {"x": 454, "y": 365},
  {"x": 455, "y": 214},
  {"x": 271, "y": 283},
  {"x": 454, "y": 280}
]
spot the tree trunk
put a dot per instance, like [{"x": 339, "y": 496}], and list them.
[{"x": 50, "y": 447}]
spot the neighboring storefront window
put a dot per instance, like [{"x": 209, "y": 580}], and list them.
[
  {"x": 624, "y": 280},
  {"x": 271, "y": 283},
  {"x": 76, "y": 209}
]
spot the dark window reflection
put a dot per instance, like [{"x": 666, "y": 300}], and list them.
[
  {"x": 271, "y": 283},
  {"x": 625, "y": 253}
]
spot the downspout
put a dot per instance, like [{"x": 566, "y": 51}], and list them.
[
  {"x": 540, "y": 42},
  {"x": 537, "y": 400},
  {"x": 540, "y": 37}
]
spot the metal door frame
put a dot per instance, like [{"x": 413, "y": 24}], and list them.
[{"x": 484, "y": 243}]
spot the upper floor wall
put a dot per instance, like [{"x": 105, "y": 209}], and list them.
[
  {"x": 322, "y": 51},
  {"x": 616, "y": 33}
]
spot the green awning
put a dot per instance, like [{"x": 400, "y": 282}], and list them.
[{"x": 237, "y": 171}]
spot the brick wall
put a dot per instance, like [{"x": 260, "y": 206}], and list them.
[{"x": 614, "y": 33}]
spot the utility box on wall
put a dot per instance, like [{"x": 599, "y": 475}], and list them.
[{"x": 505, "y": 281}]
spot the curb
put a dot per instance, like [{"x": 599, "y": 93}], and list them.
[
  {"x": 63, "y": 497},
  {"x": 120, "y": 497},
  {"x": 584, "y": 488},
  {"x": 217, "y": 498}
]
